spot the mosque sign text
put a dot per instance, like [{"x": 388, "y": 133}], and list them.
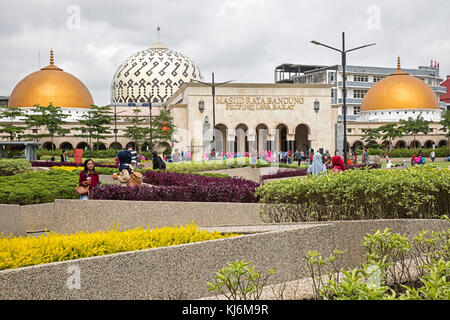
[{"x": 255, "y": 103}]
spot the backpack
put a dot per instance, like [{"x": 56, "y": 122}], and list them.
[{"x": 135, "y": 179}]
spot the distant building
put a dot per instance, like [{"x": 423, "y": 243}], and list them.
[
  {"x": 359, "y": 80},
  {"x": 4, "y": 100},
  {"x": 445, "y": 98}
]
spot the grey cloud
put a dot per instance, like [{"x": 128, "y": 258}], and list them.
[{"x": 242, "y": 40}]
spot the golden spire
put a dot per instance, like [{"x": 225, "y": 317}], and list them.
[
  {"x": 398, "y": 63},
  {"x": 51, "y": 57},
  {"x": 159, "y": 29}
]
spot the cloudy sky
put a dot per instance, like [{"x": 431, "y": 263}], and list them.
[{"x": 236, "y": 39}]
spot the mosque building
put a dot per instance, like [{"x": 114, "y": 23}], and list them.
[
  {"x": 244, "y": 116},
  {"x": 397, "y": 97}
]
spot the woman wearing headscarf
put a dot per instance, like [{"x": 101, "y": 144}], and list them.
[
  {"x": 338, "y": 164},
  {"x": 317, "y": 166}
]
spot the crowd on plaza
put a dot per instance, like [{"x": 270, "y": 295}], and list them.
[{"x": 127, "y": 160}]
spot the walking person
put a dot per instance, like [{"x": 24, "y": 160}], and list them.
[
  {"x": 253, "y": 155},
  {"x": 63, "y": 156},
  {"x": 365, "y": 157},
  {"x": 88, "y": 178},
  {"x": 432, "y": 155}
]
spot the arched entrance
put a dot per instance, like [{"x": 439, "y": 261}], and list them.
[
  {"x": 240, "y": 139},
  {"x": 66, "y": 146},
  {"x": 221, "y": 138},
  {"x": 428, "y": 144},
  {"x": 301, "y": 137},
  {"x": 415, "y": 144},
  {"x": 99, "y": 146},
  {"x": 83, "y": 145},
  {"x": 400, "y": 144},
  {"x": 48, "y": 145},
  {"x": 281, "y": 137},
  {"x": 118, "y": 145},
  {"x": 358, "y": 145},
  {"x": 442, "y": 143},
  {"x": 262, "y": 132}
]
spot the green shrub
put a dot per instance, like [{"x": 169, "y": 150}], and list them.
[
  {"x": 96, "y": 160},
  {"x": 422, "y": 192},
  {"x": 38, "y": 187},
  {"x": 239, "y": 281},
  {"x": 408, "y": 153},
  {"x": 9, "y": 167},
  {"x": 395, "y": 267},
  {"x": 109, "y": 153}
]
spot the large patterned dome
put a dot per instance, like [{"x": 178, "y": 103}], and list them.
[{"x": 158, "y": 70}]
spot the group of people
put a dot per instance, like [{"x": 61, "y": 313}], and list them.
[
  {"x": 420, "y": 159},
  {"x": 177, "y": 156},
  {"x": 320, "y": 162},
  {"x": 127, "y": 160}
]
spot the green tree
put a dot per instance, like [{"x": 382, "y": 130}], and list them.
[
  {"x": 163, "y": 130},
  {"x": 415, "y": 126},
  {"x": 87, "y": 128},
  {"x": 96, "y": 123},
  {"x": 390, "y": 131},
  {"x": 445, "y": 123},
  {"x": 51, "y": 118},
  {"x": 371, "y": 135},
  {"x": 139, "y": 130},
  {"x": 11, "y": 113}
]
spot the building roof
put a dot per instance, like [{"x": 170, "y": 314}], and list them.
[{"x": 446, "y": 97}]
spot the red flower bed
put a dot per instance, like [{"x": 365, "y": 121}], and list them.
[{"x": 170, "y": 186}]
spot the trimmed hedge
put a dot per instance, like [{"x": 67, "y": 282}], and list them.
[
  {"x": 408, "y": 153},
  {"x": 53, "y": 247},
  {"x": 69, "y": 164},
  {"x": 422, "y": 192},
  {"x": 38, "y": 187},
  {"x": 304, "y": 172},
  {"x": 9, "y": 167}
]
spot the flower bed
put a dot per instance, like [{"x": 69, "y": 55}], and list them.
[
  {"x": 24, "y": 251},
  {"x": 419, "y": 193},
  {"x": 170, "y": 186},
  {"x": 304, "y": 171}
]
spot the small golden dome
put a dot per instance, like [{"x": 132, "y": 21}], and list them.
[
  {"x": 51, "y": 85},
  {"x": 399, "y": 90}
]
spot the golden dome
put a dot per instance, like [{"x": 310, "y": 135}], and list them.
[
  {"x": 399, "y": 90},
  {"x": 51, "y": 85}
]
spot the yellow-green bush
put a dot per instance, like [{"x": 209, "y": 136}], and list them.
[{"x": 16, "y": 252}]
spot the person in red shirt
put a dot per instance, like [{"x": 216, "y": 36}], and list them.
[{"x": 88, "y": 177}]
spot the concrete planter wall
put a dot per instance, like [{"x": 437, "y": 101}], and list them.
[
  {"x": 183, "y": 271},
  {"x": 77, "y": 215}
]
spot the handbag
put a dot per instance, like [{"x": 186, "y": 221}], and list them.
[{"x": 82, "y": 190}]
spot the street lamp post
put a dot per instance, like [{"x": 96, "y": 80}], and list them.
[
  {"x": 213, "y": 86},
  {"x": 115, "y": 128},
  {"x": 344, "y": 94}
]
